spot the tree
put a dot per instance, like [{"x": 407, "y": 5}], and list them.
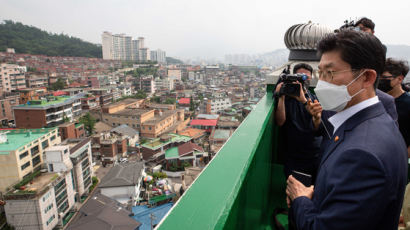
[
  {"x": 141, "y": 95},
  {"x": 156, "y": 99},
  {"x": 89, "y": 122},
  {"x": 58, "y": 85},
  {"x": 170, "y": 101},
  {"x": 191, "y": 104}
]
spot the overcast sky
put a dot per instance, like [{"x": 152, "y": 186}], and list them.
[{"x": 206, "y": 28}]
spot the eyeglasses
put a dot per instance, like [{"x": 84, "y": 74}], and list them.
[
  {"x": 329, "y": 74},
  {"x": 387, "y": 77}
]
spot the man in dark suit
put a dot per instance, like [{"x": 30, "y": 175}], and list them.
[{"x": 362, "y": 174}]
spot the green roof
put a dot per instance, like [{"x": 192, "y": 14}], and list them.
[
  {"x": 172, "y": 153},
  {"x": 20, "y": 137},
  {"x": 157, "y": 143},
  {"x": 50, "y": 102}
]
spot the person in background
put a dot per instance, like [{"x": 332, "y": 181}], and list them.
[
  {"x": 366, "y": 25},
  {"x": 391, "y": 82},
  {"x": 301, "y": 146}
]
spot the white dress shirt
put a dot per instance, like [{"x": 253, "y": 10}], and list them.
[{"x": 339, "y": 118}]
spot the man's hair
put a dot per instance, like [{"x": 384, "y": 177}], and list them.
[
  {"x": 361, "y": 50},
  {"x": 396, "y": 67},
  {"x": 366, "y": 22},
  {"x": 303, "y": 66}
]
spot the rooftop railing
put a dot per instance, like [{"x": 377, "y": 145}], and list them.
[{"x": 242, "y": 185}]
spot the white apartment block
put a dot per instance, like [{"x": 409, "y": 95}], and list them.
[
  {"x": 116, "y": 46},
  {"x": 174, "y": 74},
  {"x": 144, "y": 54},
  {"x": 21, "y": 153},
  {"x": 158, "y": 56},
  {"x": 73, "y": 155},
  {"x": 43, "y": 203},
  {"x": 165, "y": 83},
  {"x": 12, "y": 77},
  {"x": 218, "y": 104}
]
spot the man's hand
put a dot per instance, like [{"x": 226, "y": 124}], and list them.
[
  {"x": 278, "y": 87},
  {"x": 296, "y": 189},
  {"x": 301, "y": 98},
  {"x": 315, "y": 109}
]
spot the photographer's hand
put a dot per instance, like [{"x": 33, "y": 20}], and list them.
[
  {"x": 301, "y": 98},
  {"x": 315, "y": 109}
]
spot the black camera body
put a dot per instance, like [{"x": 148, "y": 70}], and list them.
[{"x": 289, "y": 88}]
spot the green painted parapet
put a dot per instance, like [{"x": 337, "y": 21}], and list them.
[{"x": 241, "y": 186}]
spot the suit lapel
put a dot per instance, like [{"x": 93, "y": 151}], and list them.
[{"x": 363, "y": 115}]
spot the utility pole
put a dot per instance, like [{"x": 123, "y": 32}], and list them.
[{"x": 152, "y": 217}]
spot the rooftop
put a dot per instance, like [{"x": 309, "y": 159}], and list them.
[
  {"x": 41, "y": 181},
  {"x": 132, "y": 112},
  {"x": 184, "y": 100},
  {"x": 159, "y": 118},
  {"x": 125, "y": 130},
  {"x": 142, "y": 214},
  {"x": 172, "y": 153},
  {"x": 192, "y": 132},
  {"x": 125, "y": 174},
  {"x": 20, "y": 137},
  {"x": 203, "y": 122},
  {"x": 207, "y": 116},
  {"x": 49, "y": 102},
  {"x": 221, "y": 134},
  {"x": 101, "y": 212},
  {"x": 157, "y": 143}
]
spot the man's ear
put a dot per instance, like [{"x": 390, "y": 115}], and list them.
[
  {"x": 401, "y": 78},
  {"x": 369, "y": 78}
]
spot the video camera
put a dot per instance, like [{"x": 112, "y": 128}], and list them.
[
  {"x": 348, "y": 25},
  {"x": 289, "y": 88}
]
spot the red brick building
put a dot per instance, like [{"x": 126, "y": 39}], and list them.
[{"x": 71, "y": 131}]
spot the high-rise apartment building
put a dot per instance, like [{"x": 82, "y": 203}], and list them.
[
  {"x": 116, "y": 46},
  {"x": 144, "y": 54},
  {"x": 122, "y": 47},
  {"x": 158, "y": 56}
]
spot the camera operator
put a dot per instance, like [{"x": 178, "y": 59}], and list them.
[
  {"x": 302, "y": 147},
  {"x": 366, "y": 25}
]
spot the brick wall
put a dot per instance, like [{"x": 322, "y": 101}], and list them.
[{"x": 30, "y": 119}]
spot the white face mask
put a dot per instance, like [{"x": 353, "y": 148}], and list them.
[{"x": 334, "y": 97}]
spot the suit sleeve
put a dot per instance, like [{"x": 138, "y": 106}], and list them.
[{"x": 356, "y": 192}]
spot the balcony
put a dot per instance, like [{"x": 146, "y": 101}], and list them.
[{"x": 242, "y": 185}]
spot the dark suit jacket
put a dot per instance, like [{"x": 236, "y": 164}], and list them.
[
  {"x": 361, "y": 179},
  {"x": 388, "y": 103}
]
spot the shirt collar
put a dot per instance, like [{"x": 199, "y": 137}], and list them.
[{"x": 339, "y": 118}]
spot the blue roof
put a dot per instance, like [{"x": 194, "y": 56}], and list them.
[{"x": 142, "y": 214}]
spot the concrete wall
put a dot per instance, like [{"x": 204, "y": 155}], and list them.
[{"x": 32, "y": 214}]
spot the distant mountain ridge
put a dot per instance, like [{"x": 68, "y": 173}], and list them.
[{"x": 31, "y": 40}]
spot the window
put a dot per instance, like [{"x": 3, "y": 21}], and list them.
[
  {"x": 27, "y": 164},
  {"x": 34, "y": 150},
  {"x": 45, "y": 197},
  {"x": 65, "y": 151},
  {"x": 48, "y": 208},
  {"x": 44, "y": 144},
  {"x": 51, "y": 219},
  {"x": 52, "y": 138},
  {"x": 23, "y": 155},
  {"x": 36, "y": 160}
]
